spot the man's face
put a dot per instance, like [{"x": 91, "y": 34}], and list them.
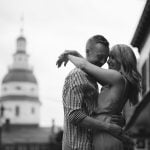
[{"x": 96, "y": 53}]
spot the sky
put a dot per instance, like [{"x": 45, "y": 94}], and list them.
[{"x": 52, "y": 26}]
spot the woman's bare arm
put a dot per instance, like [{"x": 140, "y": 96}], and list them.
[{"x": 103, "y": 76}]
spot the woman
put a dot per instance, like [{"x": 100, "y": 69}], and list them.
[{"x": 121, "y": 82}]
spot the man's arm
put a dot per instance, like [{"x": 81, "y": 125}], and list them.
[
  {"x": 77, "y": 117},
  {"x": 95, "y": 124}
]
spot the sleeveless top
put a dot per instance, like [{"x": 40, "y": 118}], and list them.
[{"x": 111, "y": 106}]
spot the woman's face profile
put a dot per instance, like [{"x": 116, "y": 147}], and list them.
[{"x": 113, "y": 60}]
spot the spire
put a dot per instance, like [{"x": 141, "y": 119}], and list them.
[
  {"x": 22, "y": 24},
  {"x": 21, "y": 41}
]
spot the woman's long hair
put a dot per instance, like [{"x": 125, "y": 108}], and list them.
[{"x": 126, "y": 58}]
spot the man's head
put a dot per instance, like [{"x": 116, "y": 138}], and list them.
[{"x": 97, "y": 50}]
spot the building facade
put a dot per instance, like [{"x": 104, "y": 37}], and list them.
[
  {"x": 19, "y": 90},
  {"x": 141, "y": 40},
  {"x": 139, "y": 124}
]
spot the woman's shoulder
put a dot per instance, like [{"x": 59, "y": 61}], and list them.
[{"x": 116, "y": 76}]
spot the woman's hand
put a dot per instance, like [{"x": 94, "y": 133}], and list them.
[
  {"x": 118, "y": 119},
  {"x": 63, "y": 58}
]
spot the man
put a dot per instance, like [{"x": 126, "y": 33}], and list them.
[{"x": 80, "y": 96}]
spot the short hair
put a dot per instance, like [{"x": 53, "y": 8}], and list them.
[{"x": 100, "y": 39}]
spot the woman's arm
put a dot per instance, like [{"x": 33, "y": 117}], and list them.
[
  {"x": 73, "y": 52},
  {"x": 103, "y": 76}
]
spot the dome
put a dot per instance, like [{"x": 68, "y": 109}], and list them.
[
  {"x": 21, "y": 38},
  {"x": 19, "y": 75}
]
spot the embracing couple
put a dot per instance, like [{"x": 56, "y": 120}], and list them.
[{"x": 94, "y": 120}]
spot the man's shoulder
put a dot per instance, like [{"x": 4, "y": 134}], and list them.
[
  {"x": 76, "y": 75},
  {"x": 76, "y": 71},
  {"x": 79, "y": 77}
]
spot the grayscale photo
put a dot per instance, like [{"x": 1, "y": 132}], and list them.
[{"x": 75, "y": 74}]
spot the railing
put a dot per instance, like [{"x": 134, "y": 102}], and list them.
[{"x": 31, "y": 146}]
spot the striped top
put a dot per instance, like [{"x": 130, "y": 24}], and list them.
[{"x": 80, "y": 93}]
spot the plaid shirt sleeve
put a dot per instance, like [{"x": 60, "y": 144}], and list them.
[{"x": 74, "y": 98}]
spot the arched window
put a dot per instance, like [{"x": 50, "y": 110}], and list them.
[
  {"x": 4, "y": 89},
  {"x": 18, "y": 87},
  {"x": 32, "y": 110},
  {"x": 17, "y": 113}
]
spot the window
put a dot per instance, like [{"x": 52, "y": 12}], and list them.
[
  {"x": 18, "y": 87},
  {"x": 17, "y": 111},
  {"x": 149, "y": 72},
  {"x": 144, "y": 79},
  {"x": 32, "y": 110},
  {"x": 140, "y": 143},
  {"x": 7, "y": 121},
  {"x": 32, "y": 89},
  {"x": 20, "y": 59},
  {"x": 4, "y": 89}
]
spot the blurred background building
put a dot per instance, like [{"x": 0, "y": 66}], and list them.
[
  {"x": 20, "y": 107},
  {"x": 139, "y": 124},
  {"x": 19, "y": 90}
]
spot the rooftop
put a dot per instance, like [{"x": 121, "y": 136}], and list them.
[
  {"x": 19, "y": 75},
  {"x": 26, "y": 135},
  {"x": 143, "y": 27}
]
